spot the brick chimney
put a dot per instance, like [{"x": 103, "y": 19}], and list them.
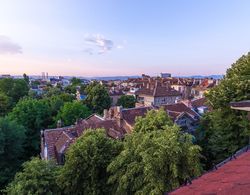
[
  {"x": 119, "y": 112},
  {"x": 105, "y": 114}
]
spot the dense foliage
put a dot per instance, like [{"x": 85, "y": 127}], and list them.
[
  {"x": 224, "y": 130},
  {"x": 11, "y": 90},
  {"x": 72, "y": 111},
  {"x": 76, "y": 83},
  {"x": 5, "y": 104},
  {"x": 37, "y": 177},
  {"x": 98, "y": 98},
  {"x": 155, "y": 120},
  {"x": 34, "y": 115},
  {"x": 155, "y": 159},
  {"x": 86, "y": 161},
  {"x": 126, "y": 101},
  {"x": 12, "y": 137}
]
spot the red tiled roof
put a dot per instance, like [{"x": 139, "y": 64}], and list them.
[
  {"x": 231, "y": 178},
  {"x": 129, "y": 115},
  {"x": 94, "y": 118},
  {"x": 180, "y": 107},
  {"x": 51, "y": 136},
  {"x": 198, "y": 102},
  {"x": 158, "y": 91},
  {"x": 63, "y": 142},
  {"x": 107, "y": 125},
  {"x": 173, "y": 115},
  {"x": 58, "y": 140}
]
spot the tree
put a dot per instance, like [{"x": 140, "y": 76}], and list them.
[
  {"x": 56, "y": 102},
  {"x": 97, "y": 98},
  {"x": 52, "y": 91},
  {"x": 4, "y": 104},
  {"x": 154, "y": 161},
  {"x": 15, "y": 89},
  {"x": 72, "y": 111},
  {"x": 37, "y": 177},
  {"x": 66, "y": 97},
  {"x": 26, "y": 78},
  {"x": 34, "y": 115},
  {"x": 12, "y": 137},
  {"x": 35, "y": 83},
  {"x": 71, "y": 89},
  {"x": 223, "y": 131},
  {"x": 84, "y": 171},
  {"x": 154, "y": 120},
  {"x": 126, "y": 101},
  {"x": 75, "y": 81}
]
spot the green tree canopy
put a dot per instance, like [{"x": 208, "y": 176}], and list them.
[
  {"x": 4, "y": 104},
  {"x": 12, "y": 137},
  {"x": 154, "y": 120},
  {"x": 126, "y": 101},
  {"x": 75, "y": 81},
  {"x": 223, "y": 131},
  {"x": 56, "y": 102},
  {"x": 34, "y": 115},
  {"x": 72, "y": 111},
  {"x": 86, "y": 161},
  {"x": 26, "y": 78},
  {"x": 37, "y": 177},
  {"x": 52, "y": 91},
  {"x": 14, "y": 89},
  {"x": 154, "y": 160},
  {"x": 97, "y": 98}
]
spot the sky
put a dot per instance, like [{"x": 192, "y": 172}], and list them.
[{"x": 129, "y": 37}]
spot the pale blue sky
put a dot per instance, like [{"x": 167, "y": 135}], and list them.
[{"x": 129, "y": 37}]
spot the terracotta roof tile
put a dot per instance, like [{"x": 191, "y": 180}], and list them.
[
  {"x": 94, "y": 118},
  {"x": 51, "y": 136},
  {"x": 180, "y": 107},
  {"x": 63, "y": 142},
  {"x": 58, "y": 140},
  {"x": 231, "y": 178},
  {"x": 130, "y": 114},
  {"x": 158, "y": 91},
  {"x": 198, "y": 102}
]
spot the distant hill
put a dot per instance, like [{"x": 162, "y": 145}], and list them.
[
  {"x": 127, "y": 77},
  {"x": 122, "y": 78},
  {"x": 201, "y": 76}
]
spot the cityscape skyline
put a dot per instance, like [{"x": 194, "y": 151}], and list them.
[{"x": 111, "y": 38}]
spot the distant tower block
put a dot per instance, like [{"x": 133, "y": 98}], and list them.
[
  {"x": 47, "y": 76},
  {"x": 165, "y": 75},
  {"x": 43, "y": 75}
]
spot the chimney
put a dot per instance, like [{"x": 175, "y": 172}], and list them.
[
  {"x": 59, "y": 123},
  {"x": 105, "y": 114},
  {"x": 189, "y": 103},
  {"x": 118, "y": 112}
]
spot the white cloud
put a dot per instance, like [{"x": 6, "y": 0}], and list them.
[
  {"x": 104, "y": 45},
  {"x": 9, "y": 47},
  {"x": 98, "y": 44}
]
